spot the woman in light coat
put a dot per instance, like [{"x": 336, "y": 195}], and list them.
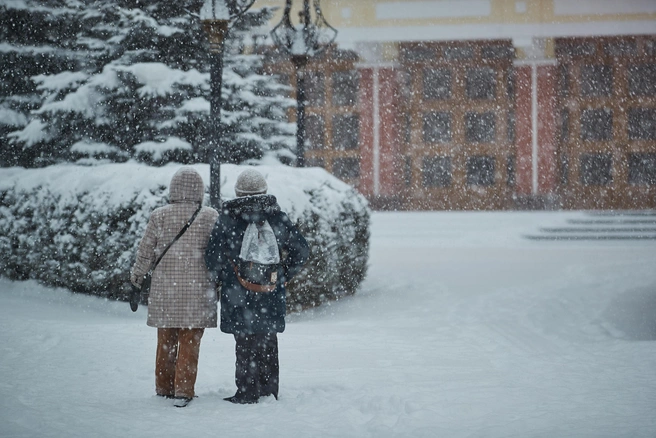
[{"x": 182, "y": 301}]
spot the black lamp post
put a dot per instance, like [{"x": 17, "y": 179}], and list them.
[
  {"x": 216, "y": 17},
  {"x": 310, "y": 38}
]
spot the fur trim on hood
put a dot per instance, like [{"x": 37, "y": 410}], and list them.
[{"x": 252, "y": 208}]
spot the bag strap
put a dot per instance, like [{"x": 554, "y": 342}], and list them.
[
  {"x": 253, "y": 287},
  {"x": 175, "y": 239}
]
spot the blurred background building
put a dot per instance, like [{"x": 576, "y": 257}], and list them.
[{"x": 487, "y": 104}]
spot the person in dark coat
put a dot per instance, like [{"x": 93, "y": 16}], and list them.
[{"x": 254, "y": 318}]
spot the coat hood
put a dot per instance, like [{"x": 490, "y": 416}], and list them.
[
  {"x": 252, "y": 208},
  {"x": 186, "y": 186}
]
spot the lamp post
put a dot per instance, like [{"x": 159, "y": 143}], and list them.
[
  {"x": 309, "y": 38},
  {"x": 216, "y": 17}
]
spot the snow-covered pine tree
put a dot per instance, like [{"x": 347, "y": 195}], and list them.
[
  {"x": 37, "y": 38},
  {"x": 255, "y": 106},
  {"x": 142, "y": 89}
]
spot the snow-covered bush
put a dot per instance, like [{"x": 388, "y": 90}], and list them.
[{"x": 79, "y": 226}]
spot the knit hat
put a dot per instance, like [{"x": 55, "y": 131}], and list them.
[{"x": 250, "y": 182}]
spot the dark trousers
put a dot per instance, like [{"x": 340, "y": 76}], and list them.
[{"x": 257, "y": 369}]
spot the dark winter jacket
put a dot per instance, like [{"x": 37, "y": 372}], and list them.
[{"x": 243, "y": 311}]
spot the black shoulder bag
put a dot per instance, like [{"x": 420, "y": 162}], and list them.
[{"x": 144, "y": 290}]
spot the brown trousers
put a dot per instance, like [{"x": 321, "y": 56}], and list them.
[{"x": 176, "y": 364}]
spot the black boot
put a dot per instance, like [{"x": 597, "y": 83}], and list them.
[{"x": 241, "y": 399}]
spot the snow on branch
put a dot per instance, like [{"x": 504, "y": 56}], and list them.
[
  {"x": 158, "y": 79},
  {"x": 156, "y": 150},
  {"x": 138, "y": 16},
  {"x": 9, "y": 117},
  {"x": 33, "y": 133},
  {"x": 60, "y": 81},
  {"x": 91, "y": 149}
]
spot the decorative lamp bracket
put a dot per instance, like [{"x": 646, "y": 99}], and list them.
[{"x": 312, "y": 36}]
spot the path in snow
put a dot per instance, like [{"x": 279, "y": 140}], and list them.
[{"x": 462, "y": 329}]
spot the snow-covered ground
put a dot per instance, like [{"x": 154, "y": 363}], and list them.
[{"x": 462, "y": 329}]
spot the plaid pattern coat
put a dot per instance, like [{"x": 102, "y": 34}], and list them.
[{"x": 182, "y": 294}]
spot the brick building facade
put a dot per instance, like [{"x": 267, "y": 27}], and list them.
[{"x": 498, "y": 116}]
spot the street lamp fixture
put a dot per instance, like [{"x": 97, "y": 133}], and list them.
[
  {"x": 217, "y": 16},
  {"x": 312, "y": 36}
]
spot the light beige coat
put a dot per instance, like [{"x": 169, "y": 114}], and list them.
[{"x": 181, "y": 295}]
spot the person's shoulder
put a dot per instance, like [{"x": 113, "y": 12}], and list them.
[
  {"x": 160, "y": 211},
  {"x": 209, "y": 212},
  {"x": 225, "y": 219},
  {"x": 281, "y": 217}
]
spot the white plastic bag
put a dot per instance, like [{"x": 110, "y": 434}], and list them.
[{"x": 260, "y": 245}]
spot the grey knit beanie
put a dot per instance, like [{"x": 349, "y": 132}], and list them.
[{"x": 250, "y": 182}]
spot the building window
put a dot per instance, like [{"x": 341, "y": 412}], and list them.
[
  {"x": 642, "y": 123},
  {"x": 510, "y": 128},
  {"x": 564, "y": 125},
  {"x": 314, "y": 131},
  {"x": 481, "y": 83},
  {"x": 597, "y": 124},
  {"x": 404, "y": 81},
  {"x": 650, "y": 47},
  {"x": 564, "y": 169},
  {"x": 497, "y": 52},
  {"x": 418, "y": 53},
  {"x": 458, "y": 52},
  {"x": 621, "y": 48},
  {"x": 407, "y": 170},
  {"x": 480, "y": 127},
  {"x": 642, "y": 169},
  {"x": 346, "y": 168},
  {"x": 480, "y": 170},
  {"x": 642, "y": 80},
  {"x": 346, "y": 131},
  {"x": 436, "y": 171},
  {"x": 437, "y": 127},
  {"x": 315, "y": 162},
  {"x": 345, "y": 88},
  {"x": 596, "y": 169},
  {"x": 315, "y": 91},
  {"x": 596, "y": 80},
  {"x": 510, "y": 83},
  {"x": 510, "y": 170},
  {"x": 407, "y": 127},
  {"x": 437, "y": 83},
  {"x": 575, "y": 48},
  {"x": 563, "y": 80}
]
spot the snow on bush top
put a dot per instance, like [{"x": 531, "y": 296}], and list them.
[{"x": 114, "y": 185}]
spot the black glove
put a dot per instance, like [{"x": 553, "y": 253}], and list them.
[{"x": 135, "y": 297}]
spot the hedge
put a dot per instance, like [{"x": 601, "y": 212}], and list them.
[{"x": 78, "y": 227}]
